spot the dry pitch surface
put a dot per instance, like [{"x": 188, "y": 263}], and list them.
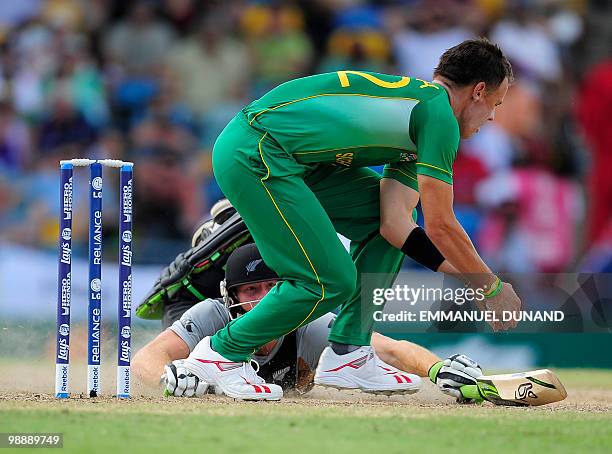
[
  {"x": 31, "y": 385},
  {"x": 588, "y": 391},
  {"x": 323, "y": 420}
]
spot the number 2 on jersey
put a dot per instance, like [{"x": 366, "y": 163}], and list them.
[{"x": 343, "y": 76}]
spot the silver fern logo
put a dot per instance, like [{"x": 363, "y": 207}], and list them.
[
  {"x": 253, "y": 265},
  {"x": 280, "y": 374}
]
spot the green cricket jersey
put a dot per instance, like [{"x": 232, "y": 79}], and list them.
[{"x": 355, "y": 119}]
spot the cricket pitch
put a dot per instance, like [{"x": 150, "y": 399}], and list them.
[{"x": 323, "y": 420}]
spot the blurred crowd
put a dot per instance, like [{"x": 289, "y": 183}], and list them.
[{"x": 155, "y": 81}]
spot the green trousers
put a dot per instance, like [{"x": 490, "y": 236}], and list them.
[{"x": 293, "y": 212}]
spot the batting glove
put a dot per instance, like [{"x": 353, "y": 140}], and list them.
[
  {"x": 453, "y": 373},
  {"x": 180, "y": 382}
]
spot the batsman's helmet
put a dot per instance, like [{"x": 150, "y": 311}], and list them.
[{"x": 244, "y": 266}]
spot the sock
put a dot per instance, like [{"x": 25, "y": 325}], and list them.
[{"x": 343, "y": 349}]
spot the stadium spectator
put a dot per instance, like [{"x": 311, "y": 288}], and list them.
[
  {"x": 528, "y": 44},
  {"x": 208, "y": 65},
  {"x": 140, "y": 42},
  {"x": 65, "y": 131},
  {"x": 167, "y": 195},
  {"x": 15, "y": 140},
  {"x": 594, "y": 113},
  {"x": 431, "y": 28},
  {"x": 183, "y": 15},
  {"x": 533, "y": 223},
  {"x": 281, "y": 48}
]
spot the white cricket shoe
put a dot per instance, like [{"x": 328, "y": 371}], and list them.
[
  {"x": 363, "y": 369},
  {"x": 237, "y": 380}
]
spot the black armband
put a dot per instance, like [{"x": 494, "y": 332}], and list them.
[{"x": 421, "y": 249}]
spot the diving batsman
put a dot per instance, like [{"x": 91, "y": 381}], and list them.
[
  {"x": 290, "y": 361},
  {"x": 294, "y": 164}
]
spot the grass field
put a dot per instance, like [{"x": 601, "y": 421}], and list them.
[{"x": 322, "y": 421}]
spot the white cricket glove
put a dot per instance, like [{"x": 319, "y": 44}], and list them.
[
  {"x": 181, "y": 382},
  {"x": 453, "y": 373}
]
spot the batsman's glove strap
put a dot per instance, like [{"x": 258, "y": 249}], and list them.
[
  {"x": 471, "y": 394},
  {"x": 421, "y": 249}
]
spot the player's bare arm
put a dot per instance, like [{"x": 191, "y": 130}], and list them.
[
  {"x": 448, "y": 235},
  {"x": 148, "y": 363},
  {"x": 445, "y": 231},
  {"x": 452, "y": 375},
  {"x": 404, "y": 355},
  {"x": 396, "y": 203},
  {"x": 473, "y": 93}
]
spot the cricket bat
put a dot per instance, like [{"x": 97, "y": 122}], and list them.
[{"x": 536, "y": 387}]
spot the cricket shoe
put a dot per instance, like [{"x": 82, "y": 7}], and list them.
[
  {"x": 363, "y": 369},
  {"x": 234, "y": 379}
]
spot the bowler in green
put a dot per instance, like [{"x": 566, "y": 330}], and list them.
[{"x": 295, "y": 165}]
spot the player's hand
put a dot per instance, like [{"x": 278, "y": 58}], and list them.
[
  {"x": 180, "y": 382},
  {"x": 453, "y": 373},
  {"x": 505, "y": 301}
]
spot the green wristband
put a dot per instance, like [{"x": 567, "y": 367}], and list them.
[
  {"x": 496, "y": 290},
  {"x": 433, "y": 371}
]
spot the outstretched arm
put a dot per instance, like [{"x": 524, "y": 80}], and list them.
[
  {"x": 450, "y": 375},
  {"x": 148, "y": 363},
  {"x": 404, "y": 355}
]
